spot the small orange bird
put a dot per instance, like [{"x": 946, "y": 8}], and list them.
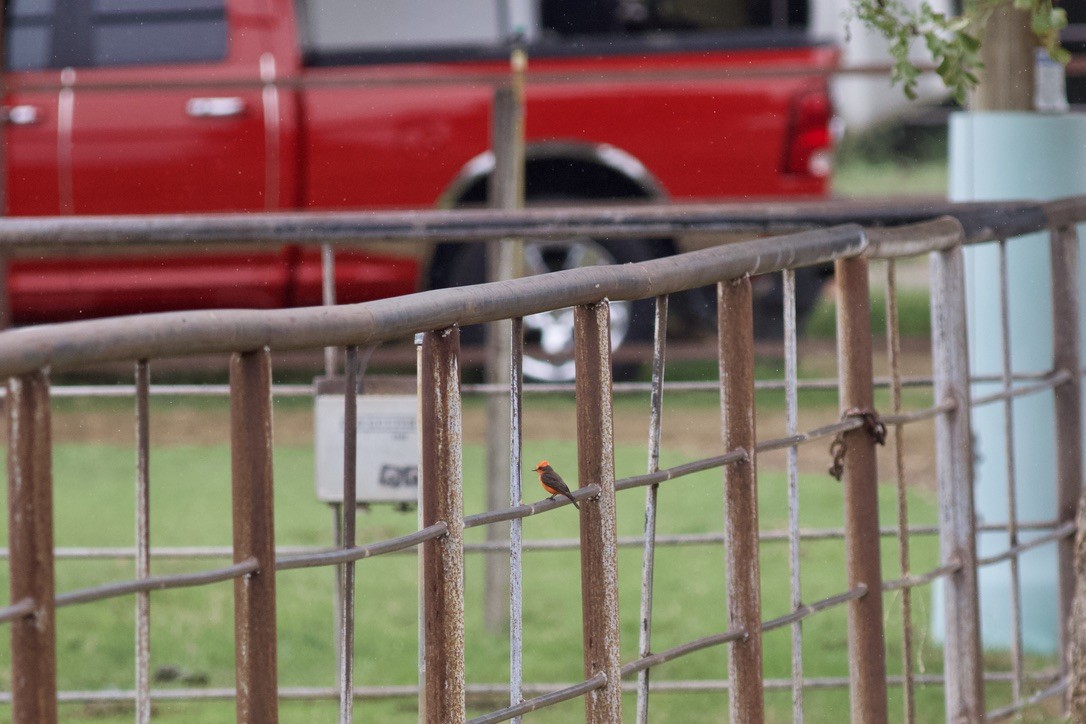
[{"x": 552, "y": 482}]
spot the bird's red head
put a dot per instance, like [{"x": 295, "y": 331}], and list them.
[{"x": 542, "y": 464}]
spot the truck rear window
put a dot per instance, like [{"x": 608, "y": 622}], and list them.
[
  {"x": 44, "y": 34},
  {"x": 352, "y": 31}
]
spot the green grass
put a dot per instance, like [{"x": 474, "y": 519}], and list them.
[
  {"x": 892, "y": 158},
  {"x": 914, "y": 316},
  {"x": 862, "y": 178},
  {"x": 192, "y": 629}
]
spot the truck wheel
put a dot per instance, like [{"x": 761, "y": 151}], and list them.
[{"x": 548, "y": 336}]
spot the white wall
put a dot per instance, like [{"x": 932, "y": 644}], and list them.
[{"x": 863, "y": 100}]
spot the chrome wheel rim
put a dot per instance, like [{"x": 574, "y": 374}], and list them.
[{"x": 553, "y": 331}]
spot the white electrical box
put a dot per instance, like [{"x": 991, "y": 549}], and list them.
[{"x": 387, "y": 463}]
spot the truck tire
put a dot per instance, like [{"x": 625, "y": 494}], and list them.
[{"x": 549, "y": 336}]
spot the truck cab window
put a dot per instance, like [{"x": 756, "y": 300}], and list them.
[
  {"x": 92, "y": 33},
  {"x": 337, "y": 32},
  {"x": 331, "y": 26},
  {"x": 594, "y": 17},
  {"x": 28, "y": 38},
  {"x": 150, "y": 32}
]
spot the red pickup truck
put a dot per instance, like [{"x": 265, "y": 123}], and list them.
[{"x": 166, "y": 106}]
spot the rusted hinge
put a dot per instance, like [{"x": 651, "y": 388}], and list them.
[{"x": 875, "y": 427}]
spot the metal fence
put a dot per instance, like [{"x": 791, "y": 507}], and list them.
[{"x": 27, "y": 356}]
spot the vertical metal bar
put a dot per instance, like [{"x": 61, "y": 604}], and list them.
[
  {"x": 350, "y": 510},
  {"x": 1012, "y": 486},
  {"x": 599, "y": 538},
  {"x": 496, "y": 569},
  {"x": 254, "y": 536},
  {"x": 791, "y": 401},
  {"x": 963, "y": 665},
  {"x": 1068, "y": 399},
  {"x": 867, "y": 652},
  {"x": 648, "y": 555},
  {"x": 516, "y": 527},
  {"x": 337, "y": 577},
  {"x": 735, "y": 321},
  {"x": 442, "y": 501},
  {"x": 893, "y": 351},
  {"x": 1074, "y": 642},
  {"x": 420, "y": 382},
  {"x": 143, "y": 544},
  {"x": 328, "y": 298},
  {"x": 30, "y": 541},
  {"x": 506, "y": 191}
]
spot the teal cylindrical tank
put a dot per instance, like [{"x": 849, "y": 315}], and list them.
[{"x": 999, "y": 156}]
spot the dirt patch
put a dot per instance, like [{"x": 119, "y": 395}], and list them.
[{"x": 690, "y": 432}]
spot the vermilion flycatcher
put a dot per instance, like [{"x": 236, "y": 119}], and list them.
[{"x": 552, "y": 482}]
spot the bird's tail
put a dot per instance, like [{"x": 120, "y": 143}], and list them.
[{"x": 573, "y": 500}]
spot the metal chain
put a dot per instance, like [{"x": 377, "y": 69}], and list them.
[{"x": 874, "y": 426}]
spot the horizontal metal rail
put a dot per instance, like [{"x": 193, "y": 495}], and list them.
[
  {"x": 403, "y": 691},
  {"x": 1051, "y": 382},
  {"x": 523, "y": 511},
  {"x": 681, "y": 650},
  {"x": 157, "y": 583},
  {"x": 1064, "y": 531},
  {"x": 483, "y": 388},
  {"x": 705, "y": 642},
  {"x": 922, "y": 579},
  {"x": 543, "y": 701},
  {"x": 983, "y": 221},
  {"x": 809, "y": 609},
  {"x": 905, "y": 418},
  {"x": 24, "y": 607},
  {"x": 678, "y": 471},
  {"x": 1030, "y": 701},
  {"x": 356, "y": 553},
  {"x": 683, "y": 539},
  {"x": 179, "y": 334}
]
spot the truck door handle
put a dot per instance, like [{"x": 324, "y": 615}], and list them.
[
  {"x": 21, "y": 115},
  {"x": 225, "y": 107}
]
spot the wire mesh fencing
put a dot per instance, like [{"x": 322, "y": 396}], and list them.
[{"x": 874, "y": 410}]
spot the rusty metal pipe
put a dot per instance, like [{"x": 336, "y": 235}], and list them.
[
  {"x": 543, "y": 701},
  {"x": 1063, "y": 246},
  {"x": 518, "y": 512},
  {"x": 156, "y": 583},
  {"x": 63, "y": 346},
  {"x": 632, "y": 221},
  {"x": 254, "y": 537},
  {"x": 866, "y": 637},
  {"x": 357, "y": 553},
  {"x": 30, "y": 540},
  {"x": 735, "y": 318},
  {"x": 442, "y": 501},
  {"x": 962, "y": 655},
  {"x": 143, "y": 541},
  {"x": 599, "y": 547}
]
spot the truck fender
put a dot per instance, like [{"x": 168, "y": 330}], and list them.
[
  {"x": 559, "y": 166},
  {"x": 553, "y": 170}
]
